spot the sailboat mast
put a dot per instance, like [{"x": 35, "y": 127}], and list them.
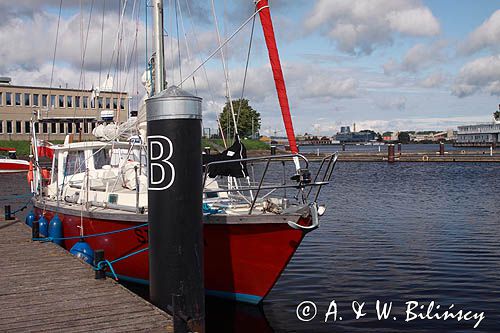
[
  {"x": 159, "y": 81},
  {"x": 274, "y": 57}
]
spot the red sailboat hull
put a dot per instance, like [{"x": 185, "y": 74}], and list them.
[{"x": 242, "y": 261}]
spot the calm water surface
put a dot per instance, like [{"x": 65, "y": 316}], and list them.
[{"x": 394, "y": 233}]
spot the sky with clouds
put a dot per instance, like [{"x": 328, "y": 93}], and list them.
[{"x": 382, "y": 64}]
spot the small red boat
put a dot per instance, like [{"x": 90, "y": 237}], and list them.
[{"x": 9, "y": 162}]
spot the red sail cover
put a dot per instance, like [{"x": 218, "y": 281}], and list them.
[{"x": 274, "y": 57}]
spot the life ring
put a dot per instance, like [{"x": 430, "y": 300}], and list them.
[
  {"x": 425, "y": 158},
  {"x": 45, "y": 176},
  {"x": 29, "y": 176}
]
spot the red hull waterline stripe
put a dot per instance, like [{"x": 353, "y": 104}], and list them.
[{"x": 274, "y": 58}]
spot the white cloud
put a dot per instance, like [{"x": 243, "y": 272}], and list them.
[
  {"x": 480, "y": 75},
  {"x": 394, "y": 103},
  {"x": 434, "y": 80},
  {"x": 419, "y": 57},
  {"x": 487, "y": 35},
  {"x": 360, "y": 26}
]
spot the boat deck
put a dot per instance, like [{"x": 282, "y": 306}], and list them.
[{"x": 43, "y": 288}]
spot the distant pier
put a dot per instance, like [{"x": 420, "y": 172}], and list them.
[
  {"x": 473, "y": 156},
  {"x": 45, "y": 289}
]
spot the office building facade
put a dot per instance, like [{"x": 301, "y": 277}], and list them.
[{"x": 59, "y": 111}]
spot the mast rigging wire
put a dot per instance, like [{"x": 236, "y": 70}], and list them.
[{"x": 226, "y": 73}]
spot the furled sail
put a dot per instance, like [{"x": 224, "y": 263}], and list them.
[
  {"x": 233, "y": 169},
  {"x": 267, "y": 27}
]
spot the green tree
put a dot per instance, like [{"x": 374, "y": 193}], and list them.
[
  {"x": 246, "y": 116},
  {"x": 496, "y": 115},
  {"x": 404, "y": 137}
]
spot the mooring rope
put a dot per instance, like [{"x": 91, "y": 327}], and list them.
[
  {"x": 51, "y": 239},
  {"x": 101, "y": 265}
]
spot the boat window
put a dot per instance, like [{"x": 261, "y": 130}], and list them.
[
  {"x": 101, "y": 157},
  {"x": 75, "y": 162}
]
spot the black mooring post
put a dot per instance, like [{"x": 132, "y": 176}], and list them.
[
  {"x": 98, "y": 257},
  {"x": 175, "y": 204},
  {"x": 8, "y": 215},
  {"x": 273, "y": 150},
  {"x": 35, "y": 230},
  {"x": 390, "y": 153},
  {"x": 206, "y": 150}
]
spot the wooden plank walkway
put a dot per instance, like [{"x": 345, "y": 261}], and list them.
[{"x": 43, "y": 288}]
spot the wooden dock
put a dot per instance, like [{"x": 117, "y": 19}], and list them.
[{"x": 43, "y": 288}]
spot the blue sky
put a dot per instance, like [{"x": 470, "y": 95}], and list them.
[{"x": 382, "y": 64}]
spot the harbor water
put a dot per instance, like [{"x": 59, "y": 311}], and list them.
[{"x": 400, "y": 233}]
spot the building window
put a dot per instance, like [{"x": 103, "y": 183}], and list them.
[
  {"x": 27, "y": 127},
  {"x": 85, "y": 102},
  {"x": 77, "y": 101},
  {"x": 99, "y": 102},
  {"x": 53, "y": 101},
  {"x": 108, "y": 102},
  {"x": 115, "y": 103},
  {"x": 8, "y": 98},
  {"x": 37, "y": 128},
  {"x": 122, "y": 103},
  {"x": 35, "y": 99},
  {"x": 70, "y": 127},
  {"x": 18, "y": 127},
  {"x": 1, "y": 98},
  {"x": 9, "y": 126},
  {"x": 45, "y": 128},
  {"x": 53, "y": 127},
  {"x": 93, "y": 125},
  {"x": 1, "y": 126},
  {"x": 61, "y": 128},
  {"x": 92, "y": 102},
  {"x": 61, "y": 101},
  {"x": 44, "y": 100},
  {"x": 26, "y": 99},
  {"x": 69, "y": 101},
  {"x": 18, "y": 98}
]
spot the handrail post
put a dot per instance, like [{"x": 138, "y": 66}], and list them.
[
  {"x": 136, "y": 190},
  {"x": 258, "y": 189}
]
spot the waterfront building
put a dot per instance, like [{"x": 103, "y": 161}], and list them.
[
  {"x": 60, "y": 111},
  {"x": 480, "y": 134},
  {"x": 345, "y": 135}
]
